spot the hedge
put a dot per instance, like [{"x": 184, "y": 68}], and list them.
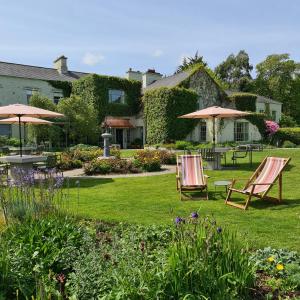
[
  {"x": 244, "y": 101},
  {"x": 95, "y": 88},
  {"x": 291, "y": 134},
  {"x": 162, "y": 107}
]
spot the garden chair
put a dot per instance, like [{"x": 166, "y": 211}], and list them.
[
  {"x": 261, "y": 182},
  {"x": 190, "y": 175}
]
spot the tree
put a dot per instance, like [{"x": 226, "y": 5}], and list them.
[
  {"x": 278, "y": 78},
  {"x": 44, "y": 133},
  {"x": 82, "y": 118},
  {"x": 236, "y": 71},
  {"x": 189, "y": 62}
]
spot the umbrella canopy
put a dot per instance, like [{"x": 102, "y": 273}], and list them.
[
  {"x": 25, "y": 120},
  {"x": 13, "y": 110},
  {"x": 21, "y": 110},
  {"x": 214, "y": 112}
]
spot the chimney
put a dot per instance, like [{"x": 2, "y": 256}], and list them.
[
  {"x": 134, "y": 75},
  {"x": 60, "y": 64},
  {"x": 150, "y": 76}
]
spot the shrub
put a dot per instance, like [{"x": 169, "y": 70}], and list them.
[
  {"x": 288, "y": 134},
  {"x": 288, "y": 144},
  {"x": 67, "y": 162},
  {"x": 148, "y": 160},
  {"x": 49, "y": 247},
  {"x": 110, "y": 165},
  {"x": 5, "y": 141},
  {"x": 166, "y": 157},
  {"x": 287, "y": 121},
  {"x": 161, "y": 109},
  {"x": 83, "y": 147}
]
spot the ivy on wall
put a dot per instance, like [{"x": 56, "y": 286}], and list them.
[
  {"x": 162, "y": 107},
  {"x": 244, "y": 101},
  {"x": 65, "y": 86},
  {"x": 95, "y": 88},
  {"x": 258, "y": 120}
]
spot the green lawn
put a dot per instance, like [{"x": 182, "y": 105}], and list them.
[{"x": 154, "y": 200}]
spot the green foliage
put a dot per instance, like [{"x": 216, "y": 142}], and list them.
[
  {"x": 6, "y": 141},
  {"x": 162, "y": 107},
  {"x": 277, "y": 79},
  {"x": 95, "y": 88},
  {"x": 206, "y": 261},
  {"x": 288, "y": 144},
  {"x": 82, "y": 122},
  {"x": 48, "y": 248},
  {"x": 287, "y": 121},
  {"x": 148, "y": 160},
  {"x": 65, "y": 86},
  {"x": 236, "y": 71},
  {"x": 110, "y": 165},
  {"x": 44, "y": 133},
  {"x": 244, "y": 101},
  {"x": 288, "y": 134},
  {"x": 191, "y": 61},
  {"x": 258, "y": 120}
]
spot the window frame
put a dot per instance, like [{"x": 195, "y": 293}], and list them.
[
  {"x": 115, "y": 101},
  {"x": 243, "y": 135}
]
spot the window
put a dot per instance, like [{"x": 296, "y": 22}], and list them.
[
  {"x": 28, "y": 95},
  {"x": 202, "y": 136},
  {"x": 5, "y": 130},
  {"x": 241, "y": 131},
  {"x": 116, "y": 96},
  {"x": 261, "y": 111},
  {"x": 274, "y": 116}
]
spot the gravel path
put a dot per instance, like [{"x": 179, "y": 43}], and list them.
[{"x": 78, "y": 173}]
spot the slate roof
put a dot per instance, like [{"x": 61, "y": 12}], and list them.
[
  {"x": 260, "y": 99},
  {"x": 33, "y": 72},
  {"x": 169, "y": 81}
]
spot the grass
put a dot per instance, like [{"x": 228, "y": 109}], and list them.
[{"x": 154, "y": 200}]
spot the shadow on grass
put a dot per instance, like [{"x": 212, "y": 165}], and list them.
[{"x": 90, "y": 182}]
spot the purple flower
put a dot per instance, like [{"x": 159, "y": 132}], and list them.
[
  {"x": 219, "y": 229},
  {"x": 271, "y": 127},
  {"x": 178, "y": 220},
  {"x": 194, "y": 215}
]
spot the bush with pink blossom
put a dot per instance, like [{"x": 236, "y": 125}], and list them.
[{"x": 271, "y": 127}]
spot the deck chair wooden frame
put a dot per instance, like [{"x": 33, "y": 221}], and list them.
[
  {"x": 181, "y": 187},
  {"x": 250, "y": 185}
]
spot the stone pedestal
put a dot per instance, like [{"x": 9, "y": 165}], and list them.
[{"x": 106, "y": 136}]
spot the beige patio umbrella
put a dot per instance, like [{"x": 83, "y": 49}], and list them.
[
  {"x": 214, "y": 112},
  {"x": 25, "y": 120},
  {"x": 21, "y": 110}
]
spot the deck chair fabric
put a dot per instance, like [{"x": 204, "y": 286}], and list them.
[
  {"x": 190, "y": 174},
  {"x": 262, "y": 180}
]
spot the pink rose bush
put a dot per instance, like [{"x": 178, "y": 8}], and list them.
[{"x": 271, "y": 127}]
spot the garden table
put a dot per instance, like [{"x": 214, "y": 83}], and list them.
[{"x": 225, "y": 183}]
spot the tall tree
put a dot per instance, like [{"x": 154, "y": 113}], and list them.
[
  {"x": 189, "y": 62},
  {"x": 278, "y": 78},
  {"x": 82, "y": 118},
  {"x": 236, "y": 71}
]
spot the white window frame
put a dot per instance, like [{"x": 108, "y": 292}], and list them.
[{"x": 241, "y": 134}]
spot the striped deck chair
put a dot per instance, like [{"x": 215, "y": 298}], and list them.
[
  {"x": 190, "y": 175},
  {"x": 262, "y": 180}
]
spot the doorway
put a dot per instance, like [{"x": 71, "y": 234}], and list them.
[{"x": 119, "y": 137}]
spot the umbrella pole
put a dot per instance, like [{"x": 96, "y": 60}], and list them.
[
  {"x": 214, "y": 133},
  {"x": 20, "y": 134}
]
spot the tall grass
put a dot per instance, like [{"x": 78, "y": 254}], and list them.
[{"x": 207, "y": 262}]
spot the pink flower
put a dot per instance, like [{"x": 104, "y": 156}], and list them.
[{"x": 271, "y": 127}]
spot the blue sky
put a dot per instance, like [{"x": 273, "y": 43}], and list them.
[{"x": 108, "y": 37}]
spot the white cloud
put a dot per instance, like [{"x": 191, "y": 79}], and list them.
[
  {"x": 92, "y": 59},
  {"x": 158, "y": 53}
]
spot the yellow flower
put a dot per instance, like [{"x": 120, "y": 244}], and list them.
[
  {"x": 271, "y": 259},
  {"x": 279, "y": 267}
]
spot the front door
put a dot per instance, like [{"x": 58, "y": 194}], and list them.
[{"x": 119, "y": 137}]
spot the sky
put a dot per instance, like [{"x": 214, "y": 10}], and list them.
[{"x": 108, "y": 37}]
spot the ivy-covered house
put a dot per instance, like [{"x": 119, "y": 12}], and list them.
[{"x": 162, "y": 123}]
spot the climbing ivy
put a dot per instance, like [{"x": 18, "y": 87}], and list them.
[
  {"x": 162, "y": 107},
  {"x": 65, "y": 86},
  {"x": 244, "y": 101},
  {"x": 95, "y": 88}
]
